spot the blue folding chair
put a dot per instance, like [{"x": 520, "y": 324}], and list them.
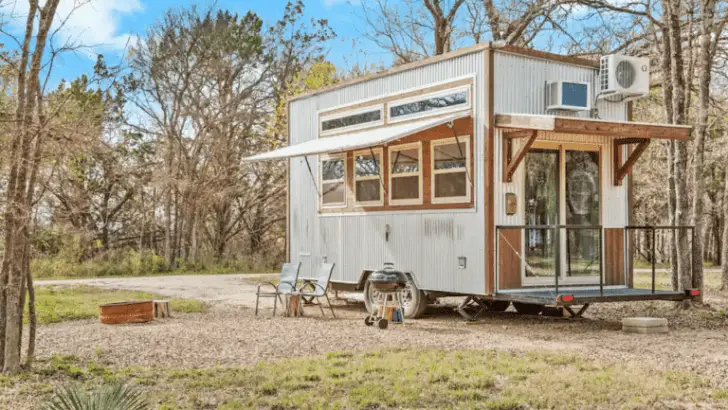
[
  {"x": 320, "y": 286},
  {"x": 286, "y": 285}
]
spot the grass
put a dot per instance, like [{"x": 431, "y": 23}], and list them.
[
  {"x": 408, "y": 378},
  {"x": 128, "y": 262},
  {"x": 57, "y": 304},
  {"x": 643, "y": 280}
]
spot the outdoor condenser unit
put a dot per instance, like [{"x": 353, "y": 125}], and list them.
[
  {"x": 623, "y": 76},
  {"x": 568, "y": 95}
]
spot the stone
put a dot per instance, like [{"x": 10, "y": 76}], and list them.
[{"x": 644, "y": 322}]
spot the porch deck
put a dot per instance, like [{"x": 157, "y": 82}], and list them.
[{"x": 586, "y": 296}]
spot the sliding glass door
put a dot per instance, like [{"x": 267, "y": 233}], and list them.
[{"x": 562, "y": 187}]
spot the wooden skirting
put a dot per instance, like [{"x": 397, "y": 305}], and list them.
[
  {"x": 614, "y": 256},
  {"x": 509, "y": 261}
]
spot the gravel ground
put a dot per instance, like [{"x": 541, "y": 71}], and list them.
[{"x": 230, "y": 334}]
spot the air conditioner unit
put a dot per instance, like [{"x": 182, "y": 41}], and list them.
[
  {"x": 623, "y": 76},
  {"x": 568, "y": 95}
]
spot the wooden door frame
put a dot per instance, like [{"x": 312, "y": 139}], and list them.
[{"x": 562, "y": 147}]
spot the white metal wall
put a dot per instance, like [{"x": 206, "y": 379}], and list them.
[
  {"x": 427, "y": 243},
  {"x": 520, "y": 88}
]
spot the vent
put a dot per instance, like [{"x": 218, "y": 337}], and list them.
[{"x": 625, "y": 74}]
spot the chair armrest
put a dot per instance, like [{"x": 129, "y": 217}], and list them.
[
  {"x": 268, "y": 283},
  {"x": 293, "y": 286}
]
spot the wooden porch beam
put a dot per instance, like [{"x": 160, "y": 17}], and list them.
[
  {"x": 510, "y": 165},
  {"x": 518, "y": 134},
  {"x": 622, "y": 170}
]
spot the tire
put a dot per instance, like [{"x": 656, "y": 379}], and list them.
[
  {"x": 498, "y": 305},
  {"x": 368, "y": 321},
  {"x": 414, "y": 306},
  {"x": 382, "y": 324},
  {"x": 528, "y": 308}
]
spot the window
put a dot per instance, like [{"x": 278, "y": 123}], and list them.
[
  {"x": 351, "y": 120},
  {"x": 333, "y": 181},
  {"x": 405, "y": 174},
  {"x": 367, "y": 179},
  {"x": 451, "y": 170},
  {"x": 430, "y": 104}
]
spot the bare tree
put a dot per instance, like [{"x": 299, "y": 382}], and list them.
[{"x": 26, "y": 131}]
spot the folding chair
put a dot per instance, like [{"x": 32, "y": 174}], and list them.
[
  {"x": 286, "y": 285},
  {"x": 321, "y": 286}
]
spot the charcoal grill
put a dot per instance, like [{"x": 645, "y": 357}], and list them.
[{"x": 391, "y": 284}]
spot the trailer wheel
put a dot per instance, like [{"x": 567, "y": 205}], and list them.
[
  {"x": 498, "y": 305},
  {"x": 415, "y": 300},
  {"x": 528, "y": 308}
]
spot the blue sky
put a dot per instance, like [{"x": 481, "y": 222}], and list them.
[{"x": 107, "y": 25}]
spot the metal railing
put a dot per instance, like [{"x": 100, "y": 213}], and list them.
[
  {"x": 653, "y": 250},
  {"x": 557, "y": 245},
  {"x": 557, "y": 251}
]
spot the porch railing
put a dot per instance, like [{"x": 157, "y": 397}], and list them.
[
  {"x": 652, "y": 230},
  {"x": 556, "y": 232}
]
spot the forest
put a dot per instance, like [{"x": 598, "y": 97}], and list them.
[{"x": 136, "y": 167}]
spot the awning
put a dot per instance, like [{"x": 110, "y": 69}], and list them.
[
  {"x": 576, "y": 125},
  {"x": 356, "y": 140}
]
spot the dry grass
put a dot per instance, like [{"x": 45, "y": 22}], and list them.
[{"x": 407, "y": 378}]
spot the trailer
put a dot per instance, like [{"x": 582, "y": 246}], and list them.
[{"x": 493, "y": 172}]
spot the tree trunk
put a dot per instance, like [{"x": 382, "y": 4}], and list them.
[
  {"x": 704, "y": 76},
  {"x": 724, "y": 252}
]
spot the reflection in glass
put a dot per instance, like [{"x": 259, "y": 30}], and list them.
[
  {"x": 582, "y": 208},
  {"x": 449, "y": 156},
  {"x": 350, "y": 120},
  {"x": 542, "y": 208},
  {"x": 429, "y": 104}
]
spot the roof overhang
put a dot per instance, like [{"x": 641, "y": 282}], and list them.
[
  {"x": 575, "y": 125},
  {"x": 357, "y": 140}
]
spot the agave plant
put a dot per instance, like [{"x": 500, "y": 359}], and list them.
[{"x": 110, "y": 397}]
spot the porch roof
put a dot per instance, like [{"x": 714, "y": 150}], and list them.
[
  {"x": 575, "y": 125},
  {"x": 355, "y": 140}
]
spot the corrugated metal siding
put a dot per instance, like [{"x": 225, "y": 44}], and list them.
[
  {"x": 520, "y": 88},
  {"x": 426, "y": 243}
]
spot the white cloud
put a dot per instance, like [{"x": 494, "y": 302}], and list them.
[{"x": 92, "y": 23}]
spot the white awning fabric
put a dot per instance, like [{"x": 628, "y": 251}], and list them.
[{"x": 356, "y": 140}]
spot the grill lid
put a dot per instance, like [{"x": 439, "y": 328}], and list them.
[{"x": 388, "y": 274}]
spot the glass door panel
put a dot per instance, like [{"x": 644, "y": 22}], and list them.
[
  {"x": 582, "y": 207},
  {"x": 542, "y": 168}
]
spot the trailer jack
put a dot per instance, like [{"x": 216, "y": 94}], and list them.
[
  {"x": 471, "y": 308},
  {"x": 578, "y": 313}
]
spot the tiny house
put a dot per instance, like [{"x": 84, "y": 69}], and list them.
[{"x": 493, "y": 172}]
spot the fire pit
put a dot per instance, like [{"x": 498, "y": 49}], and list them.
[
  {"x": 126, "y": 312},
  {"x": 391, "y": 283}
]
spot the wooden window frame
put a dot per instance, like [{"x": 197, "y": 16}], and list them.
[
  {"x": 420, "y": 174},
  {"x": 433, "y": 172},
  {"x": 379, "y": 178},
  {"x": 467, "y": 106},
  {"x": 379, "y": 122},
  {"x": 328, "y": 157}
]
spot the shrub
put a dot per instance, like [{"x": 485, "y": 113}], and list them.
[{"x": 110, "y": 397}]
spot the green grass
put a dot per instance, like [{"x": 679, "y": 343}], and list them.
[
  {"x": 57, "y": 304},
  {"x": 409, "y": 378}
]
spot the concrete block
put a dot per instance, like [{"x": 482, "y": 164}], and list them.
[
  {"x": 644, "y": 322},
  {"x": 645, "y": 330}
]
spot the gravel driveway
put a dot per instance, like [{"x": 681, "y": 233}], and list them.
[{"x": 231, "y": 290}]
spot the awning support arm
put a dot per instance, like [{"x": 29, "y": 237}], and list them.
[
  {"x": 451, "y": 125},
  {"x": 379, "y": 169},
  {"x": 622, "y": 170},
  {"x": 313, "y": 178},
  {"x": 510, "y": 165}
]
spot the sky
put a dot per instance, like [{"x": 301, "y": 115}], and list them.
[{"x": 107, "y": 26}]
